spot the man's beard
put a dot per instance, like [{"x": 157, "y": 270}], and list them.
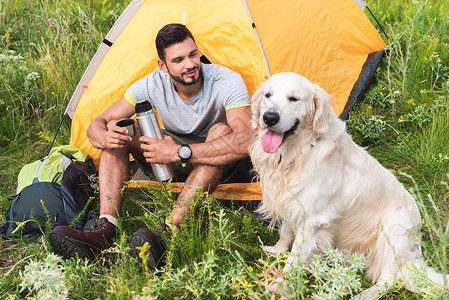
[{"x": 182, "y": 81}]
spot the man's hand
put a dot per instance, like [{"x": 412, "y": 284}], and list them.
[
  {"x": 116, "y": 136},
  {"x": 103, "y": 133},
  {"x": 159, "y": 151}
]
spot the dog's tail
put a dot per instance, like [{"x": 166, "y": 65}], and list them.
[{"x": 418, "y": 276}]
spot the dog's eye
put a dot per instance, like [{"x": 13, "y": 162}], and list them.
[
  {"x": 267, "y": 94},
  {"x": 293, "y": 99}
]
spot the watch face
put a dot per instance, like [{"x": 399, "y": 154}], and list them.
[{"x": 184, "y": 152}]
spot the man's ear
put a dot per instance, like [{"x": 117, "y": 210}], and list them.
[{"x": 161, "y": 64}]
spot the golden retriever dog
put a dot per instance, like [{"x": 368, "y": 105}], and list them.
[{"x": 326, "y": 191}]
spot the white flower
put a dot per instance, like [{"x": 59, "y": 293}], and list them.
[
  {"x": 15, "y": 57},
  {"x": 33, "y": 76},
  {"x": 335, "y": 277},
  {"x": 46, "y": 278},
  {"x": 10, "y": 56}
]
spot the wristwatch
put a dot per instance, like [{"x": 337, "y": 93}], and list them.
[{"x": 184, "y": 153}]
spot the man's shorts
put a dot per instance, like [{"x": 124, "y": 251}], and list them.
[{"x": 239, "y": 171}]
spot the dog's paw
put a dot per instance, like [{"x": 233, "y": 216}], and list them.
[{"x": 273, "y": 250}]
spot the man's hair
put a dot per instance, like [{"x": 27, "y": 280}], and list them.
[{"x": 171, "y": 34}]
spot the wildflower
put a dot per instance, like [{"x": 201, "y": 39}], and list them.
[
  {"x": 411, "y": 102},
  {"x": 33, "y": 76},
  {"x": 51, "y": 22},
  {"x": 334, "y": 277},
  {"x": 11, "y": 56},
  {"x": 242, "y": 281},
  {"x": 443, "y": 157},
  {"x": 46, "y": 278}
]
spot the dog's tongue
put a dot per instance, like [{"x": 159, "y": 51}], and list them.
[{"x": 271, "y": 140}]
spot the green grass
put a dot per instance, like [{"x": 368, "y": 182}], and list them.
[{"x": 403, "y": 121}]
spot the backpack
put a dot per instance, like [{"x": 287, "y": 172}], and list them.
[{"x": 54, "y": 189}]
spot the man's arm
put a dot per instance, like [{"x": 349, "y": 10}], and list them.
[
  {"x": 228, "y": 148},
  {"x": 220, "y": 151},
  {"x": 103, "y": 133}
]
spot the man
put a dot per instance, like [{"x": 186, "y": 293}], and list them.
[{"x": 204, "y": 107}]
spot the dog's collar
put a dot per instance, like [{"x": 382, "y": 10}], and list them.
[{"x": 291, "y": 130}]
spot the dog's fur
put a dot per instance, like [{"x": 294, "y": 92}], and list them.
[{"x": 324, "y": 190}]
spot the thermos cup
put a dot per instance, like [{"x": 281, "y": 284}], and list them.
[
  {"x": 129, "y": 124},
  {"x": 149, "y": 126}
]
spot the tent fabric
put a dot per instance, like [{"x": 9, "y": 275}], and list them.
[
  {"x": 330, "y": 42},
  {"x": 330, "y": 51},
  {"x": 110, "y": 38},
  {"x": 362, "y": 82}
]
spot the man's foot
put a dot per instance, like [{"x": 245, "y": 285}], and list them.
[
  {"x": 156, "y": 246},
  {"x": 70, "y": 242}
]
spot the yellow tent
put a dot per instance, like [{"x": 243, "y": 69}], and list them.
[{"x": 331, "y": 42}]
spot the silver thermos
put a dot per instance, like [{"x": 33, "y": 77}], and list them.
[{"x": 149, "y": 126}]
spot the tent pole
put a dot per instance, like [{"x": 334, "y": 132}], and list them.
[
  {"x": 381, "y": 28},
  {"x": 57, "y": 131},
  {"x": 59, "y": 127},
  {"x": 257, "y": 35}
]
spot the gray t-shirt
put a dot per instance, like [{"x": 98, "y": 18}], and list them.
[{"x": 222, "y": 89}]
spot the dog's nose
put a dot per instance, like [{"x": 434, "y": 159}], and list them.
[{"x": 271, "y": 118}]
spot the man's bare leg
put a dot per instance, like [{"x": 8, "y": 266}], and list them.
[
  {"x": 203, "y": 178},
  {"x": 114, "y": 171}
]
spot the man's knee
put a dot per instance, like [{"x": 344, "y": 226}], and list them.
[
  {"x": 122, "y": 154},
  {"x": 218, "y": 130}
]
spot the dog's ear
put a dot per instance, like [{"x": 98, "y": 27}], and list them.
[
  {"x": 255, "y": 107},
  {"x": 321, "y": 112}
]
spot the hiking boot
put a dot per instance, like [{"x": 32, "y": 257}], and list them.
[
  {"x": 70, "y": 242},
  {"x": 157, "y": 248}
]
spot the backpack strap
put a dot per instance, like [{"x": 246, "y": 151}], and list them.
[
  {"x": 35, "y": 180},
  {"x": 65, "y": 161}
]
